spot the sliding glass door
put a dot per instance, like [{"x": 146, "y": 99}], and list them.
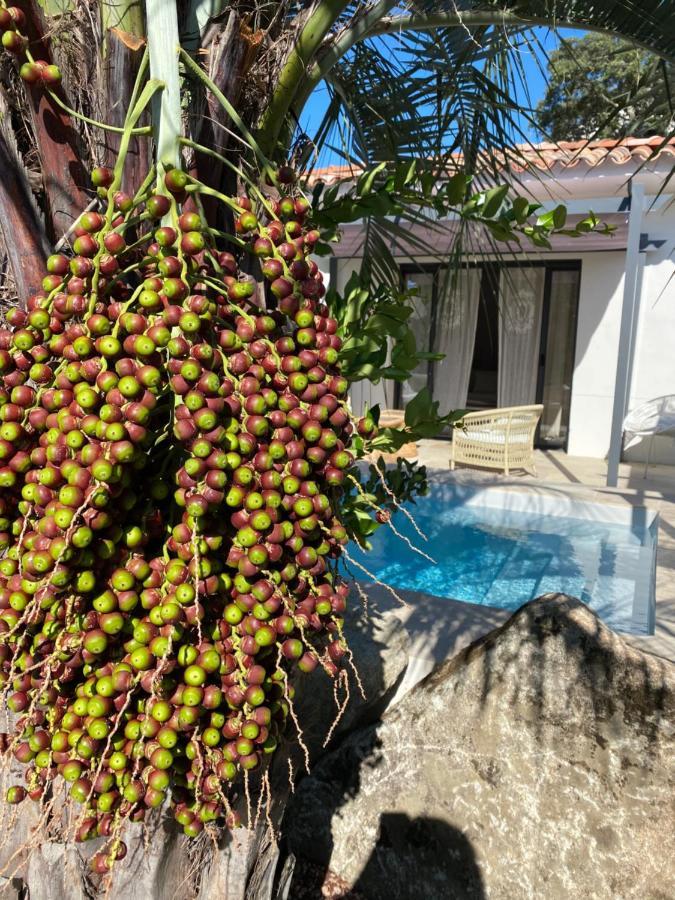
[
  {"x": 444, "y": 321},
  {"x": 454, "y": 326},
  {"x": 521, "y": 303},
  {"x": 507, "y": 333}
]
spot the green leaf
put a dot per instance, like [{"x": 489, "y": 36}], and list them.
[
  {"x": 521, "y": 209},
  {"x": 587, "y": 224},
  {"x": 419, "y": 408},
  {"x": 321, "y": 249},
  {"x": 367, "y": 370},
  {"x": 493, "y": 200},
  {"x": 559, "y": 216},
  {"x": 540, "y": 240},
  {"x": 365, "y": 183},
  {"x": 456, "y": 416},
  {"x": 545, "y": 220},
  {"x": 500, "y": 231},
  {"x": 455, "y": 189},
  {"x": 365, "y": 522},
  {"x": 405, "y": 173},
  {"x": 389, "y": 440},
  {"x": 427, "y": 183},
  {"x": 395, "y": 373}
]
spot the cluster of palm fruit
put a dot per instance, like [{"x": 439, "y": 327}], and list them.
[
  {"x": 32, "y": 71},
  {"x": 174, "y": 436}
]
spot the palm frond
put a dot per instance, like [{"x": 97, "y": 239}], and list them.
[{"x": 386, "y": 106}]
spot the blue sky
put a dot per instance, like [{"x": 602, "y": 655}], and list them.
[{"x": 317, "y": 103}]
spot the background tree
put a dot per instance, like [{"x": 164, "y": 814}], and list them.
[{"x": 600, "y": 86}]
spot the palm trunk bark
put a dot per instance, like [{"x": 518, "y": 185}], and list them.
[
  {"x": 22, "y": 231},
  {"x": 230, "y": 55},
  {"x": 123, "y": 46},
  {"x": 64, "y": 175}
]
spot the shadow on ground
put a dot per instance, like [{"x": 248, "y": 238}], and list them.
[{"x": 425, "y": 856}]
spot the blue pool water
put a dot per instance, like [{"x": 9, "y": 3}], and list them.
[{"x": 503, "y": 557}]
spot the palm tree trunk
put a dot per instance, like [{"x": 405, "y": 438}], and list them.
[{"x": 230, "y": 54}]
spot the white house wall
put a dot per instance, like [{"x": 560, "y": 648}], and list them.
[
  {"x": 654, "y": 368},
  {"x": 595, "y": 359}
]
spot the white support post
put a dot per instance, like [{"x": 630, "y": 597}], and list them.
[
  {"x": 642, "y": 262},
  {"x": 629, "y": 307},
  {"x": 163, "y": 46}
]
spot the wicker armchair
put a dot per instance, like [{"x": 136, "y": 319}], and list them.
[{"x": 497, "y": 438}]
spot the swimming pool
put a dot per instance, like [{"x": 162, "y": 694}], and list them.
[{"x": 500, "y": 548}]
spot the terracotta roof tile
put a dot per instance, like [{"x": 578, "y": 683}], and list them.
[{"x": 549, "y": 156}]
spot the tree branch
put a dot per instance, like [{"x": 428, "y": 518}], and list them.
[
  {"x": 479, "y": 18},
  {"x": 335, "y": 47},
  {"x": 294, "y": 72}
]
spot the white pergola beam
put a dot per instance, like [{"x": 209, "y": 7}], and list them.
[{"x": 629, "y": 311}]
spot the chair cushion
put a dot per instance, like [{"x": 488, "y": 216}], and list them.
[{"x": 484, "y": 437}]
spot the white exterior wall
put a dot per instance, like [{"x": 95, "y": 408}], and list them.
[
  {"x": 654, "y": 366},
  {"x": 599, "y": 318}
]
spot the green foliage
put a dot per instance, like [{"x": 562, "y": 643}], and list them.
[
  {"x": 601, "y": 86},
  {"x": 391, "y": 200},
  {"x": 378, "y": 342},
  {"x": 373, "y": 313}
]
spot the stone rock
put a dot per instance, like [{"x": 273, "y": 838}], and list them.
[
  {"x": 537, "y": 763},
  {"x": 164, "y": 864}
]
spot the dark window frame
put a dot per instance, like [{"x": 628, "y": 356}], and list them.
[{"x": 492, "y": 269}]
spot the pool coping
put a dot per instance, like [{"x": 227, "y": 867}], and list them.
[
  {"x": 486, "y": 478},
  {"x": 581, "y": 503}
]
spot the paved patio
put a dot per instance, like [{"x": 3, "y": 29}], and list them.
[{"x": 584, "y": 478}]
